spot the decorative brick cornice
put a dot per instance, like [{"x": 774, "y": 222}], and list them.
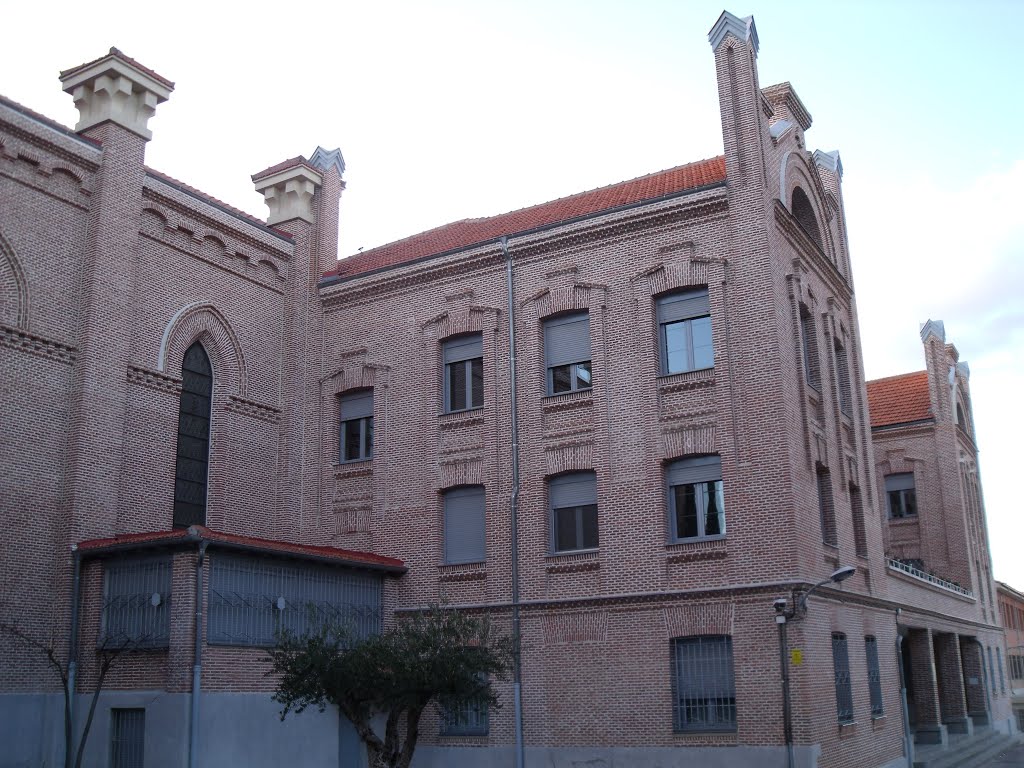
[
  {"x": 251, "y": 408},
  {"x": 160, "y": 382},
  {"x": 34, "y": 344}
]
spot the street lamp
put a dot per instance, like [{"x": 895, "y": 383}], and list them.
[{"x": 784, "y": 613}]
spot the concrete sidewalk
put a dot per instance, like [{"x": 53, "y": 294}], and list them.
[{"x": 1014, "y": 756}]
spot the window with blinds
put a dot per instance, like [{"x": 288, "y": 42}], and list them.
[
  {"x": 695, "y": 499},
  {"x": 901, "y": 495},
  {"x": 573, "y": 503},
  {"x": 684, "y": 332},
  {"x": 567, "y": 353},
  {"x": 463, "y": 373},
  {"x": 464, "y": 528},
  {"x": 355, "y": 433},
  {"x": 826, "y": 507}
]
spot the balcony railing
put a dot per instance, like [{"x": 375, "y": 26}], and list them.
[{"x": 917, "y": 573}]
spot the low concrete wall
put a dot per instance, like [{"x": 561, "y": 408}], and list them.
[{"x": 243, "y": 730}]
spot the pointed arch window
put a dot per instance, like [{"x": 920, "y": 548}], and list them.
[{"x": 193, "y": 452}]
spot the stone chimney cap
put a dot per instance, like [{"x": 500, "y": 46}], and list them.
[
  {"x": 933, "y": 328},
  {"x": 830, "y": 161},
  {"x": 782, "y": 96},
  {"x": 742, "y": 29},
  {"x": 76, "y": 75},
  {"x": 325, "y": 158}
]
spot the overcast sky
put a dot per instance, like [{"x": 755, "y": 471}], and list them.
[{"x": 449, "y": 110}]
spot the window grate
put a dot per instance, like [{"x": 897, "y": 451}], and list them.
[
  {"x": 874, "y": 676},
  {"x": 844, "y": 691},
  {"x": 703, "y": 684},
  {"x": 252, "y": 599},
  {"x": 136, "y": 603},
  {"x": 127, "y": 738},
  {"x": 467, "y": 718}
]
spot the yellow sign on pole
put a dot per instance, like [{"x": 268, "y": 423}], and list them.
[{"x": 796, "y": 656}]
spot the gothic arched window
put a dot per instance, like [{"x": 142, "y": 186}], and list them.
[{"x": 193, "y": 453}]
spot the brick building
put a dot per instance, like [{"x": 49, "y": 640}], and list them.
[
  {"x": 632, "y": 424},
  {"x": 1011, "y": 610}
]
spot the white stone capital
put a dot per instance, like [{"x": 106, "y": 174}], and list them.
[
  {"x": 289, "y": 194},
  {"x": 115, "y": 89}
]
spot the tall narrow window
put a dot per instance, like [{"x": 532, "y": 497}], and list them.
[
  {"x": 567, "y": 353},
  {"x": 826, "y": 507},
  {"x": 901, "y": 495},
  {"x": 127, "y": 738},
  {"x": 809, "y": 348},
  {"x": 464, "y": 373},
  {"x": 860, "y": 536},
  {"x": 573, "y": 500},
  {"x": 684, "y": 330},
  {"x": 193, "y": 453},
  {"x": 464, "y": 533},
  {"x": 696, "y": 503},
  {"x": 703, "y": 684},
  {"x": 356, "y": 429},
  {"x": 1002, "y": 671},
  {"x": 874, "y": 676},
  {"x": 804, "y": 213},
  {"x": 841, "y": 665},
  {"x": 843, "y": 389}
]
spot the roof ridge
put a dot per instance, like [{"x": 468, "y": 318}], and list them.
[
  {"x": 632, "y": 180},
  {"x": 897, "y": 376}
]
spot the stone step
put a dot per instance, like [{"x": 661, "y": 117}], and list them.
[{"x": 963, "y": 752}]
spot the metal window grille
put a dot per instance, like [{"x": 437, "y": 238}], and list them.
[
  {"x": 467, "y": 718},
  {"x": 252, "y": 599},
  {"x": 1017, "y": 667},
  {"x": 874, "y": 676},
  {"x": 191, "y": 469},
  {"x": 703, "y": 684},
  {"x": 136, "y": 603},
  {"x": 127, "y": 738},
  {"x": 844, "y": 691},
  {"x": 1020, "y": 718}
]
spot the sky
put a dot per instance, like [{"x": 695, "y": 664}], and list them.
[{"x": 449, "y": 110}]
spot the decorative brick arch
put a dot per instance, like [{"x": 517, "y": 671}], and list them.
[
  {"x": 796, "y": 171},
  {"x": 203, "y": 322},
  {"x": 13, "y": 288}
]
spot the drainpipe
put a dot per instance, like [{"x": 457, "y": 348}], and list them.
[
  {"x": 908, "y": 737},
  {"x": 517, "y": 667},
  {"x": 197, "y": 661},
  {"x": 787, "y": 711},
  {"x": 69, "y": 707}
]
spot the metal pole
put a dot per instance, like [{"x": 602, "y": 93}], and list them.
[
  {"x": 197, "y": 662},
  {"x": 69, "y": 713},
  {"x": 787, "y": 713},
  {"x": 517, "y": 666}
]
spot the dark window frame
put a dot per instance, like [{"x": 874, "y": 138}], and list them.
[
  {"x": 901, "y": 495},
  {"x": 359, "y": 424},
  {"x": 683, "y": 310},
  {"x": 706, "y": 484},
  {"x": 583, "y": 508},
  {"x": 463, "y": 358},
  {"x": 826, "y": 506},
  {"x": 577, "y": 366},
  {"x": 809, "y": 349},
  {"x": 703, "y": 680},
  {"x": 192, "y": 448},
  {"x": 465, "y": 718},
  {"x": 844, "y": 389}
]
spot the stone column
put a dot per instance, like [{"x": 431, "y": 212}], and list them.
[
  {"x": 930, "y": 729},
  {"x": 974, "y": 680},
  {"x": 952, "y": 699}
]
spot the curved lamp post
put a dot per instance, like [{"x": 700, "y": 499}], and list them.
[{"x": 785, "y": 613}]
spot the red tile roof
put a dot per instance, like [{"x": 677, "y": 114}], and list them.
[
  {"x": 273, "y": 546},
  {"x": 899, "y": 399},
  {"x": 125, "y": 58},
  {"x": 291, "y": 162},
  {"x": 469, "y": 232}
]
